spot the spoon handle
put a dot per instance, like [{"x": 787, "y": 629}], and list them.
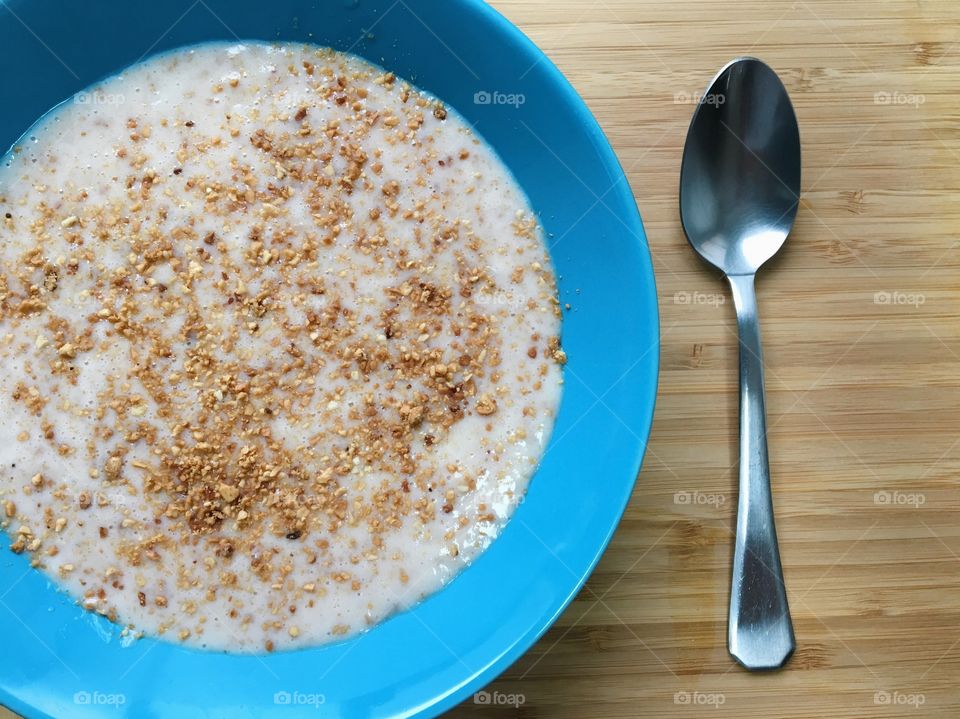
[{"x": 760, "y": 633}]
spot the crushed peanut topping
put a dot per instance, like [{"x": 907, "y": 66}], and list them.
[{"x": 293, "y": 342}]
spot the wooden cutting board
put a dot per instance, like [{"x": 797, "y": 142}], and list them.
[{"x": 862, "y": 339}]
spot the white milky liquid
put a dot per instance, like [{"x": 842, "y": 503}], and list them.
[{"x": 278, "y": 337}]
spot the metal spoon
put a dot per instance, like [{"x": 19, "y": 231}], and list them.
[{"x": 739, "y": 192}]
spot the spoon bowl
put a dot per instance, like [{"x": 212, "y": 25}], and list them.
[{"x": 740, "y": 177}]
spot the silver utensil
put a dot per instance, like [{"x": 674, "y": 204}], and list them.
[{"x": 739, "y": 192}]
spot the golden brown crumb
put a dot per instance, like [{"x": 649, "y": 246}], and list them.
[{"x": 486, "y": 405}]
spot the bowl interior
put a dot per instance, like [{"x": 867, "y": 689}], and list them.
[{"x": 424, "y": 660}]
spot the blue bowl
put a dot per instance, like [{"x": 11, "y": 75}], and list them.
[{"x": 61, "y": 661}]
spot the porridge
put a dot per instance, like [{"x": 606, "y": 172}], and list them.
[{"x": 280, "y": 342}]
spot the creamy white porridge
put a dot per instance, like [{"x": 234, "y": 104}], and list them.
[{"x": 279, "y": 338}]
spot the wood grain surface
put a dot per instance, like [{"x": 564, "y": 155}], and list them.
[{"x": 861, "y": 322}]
